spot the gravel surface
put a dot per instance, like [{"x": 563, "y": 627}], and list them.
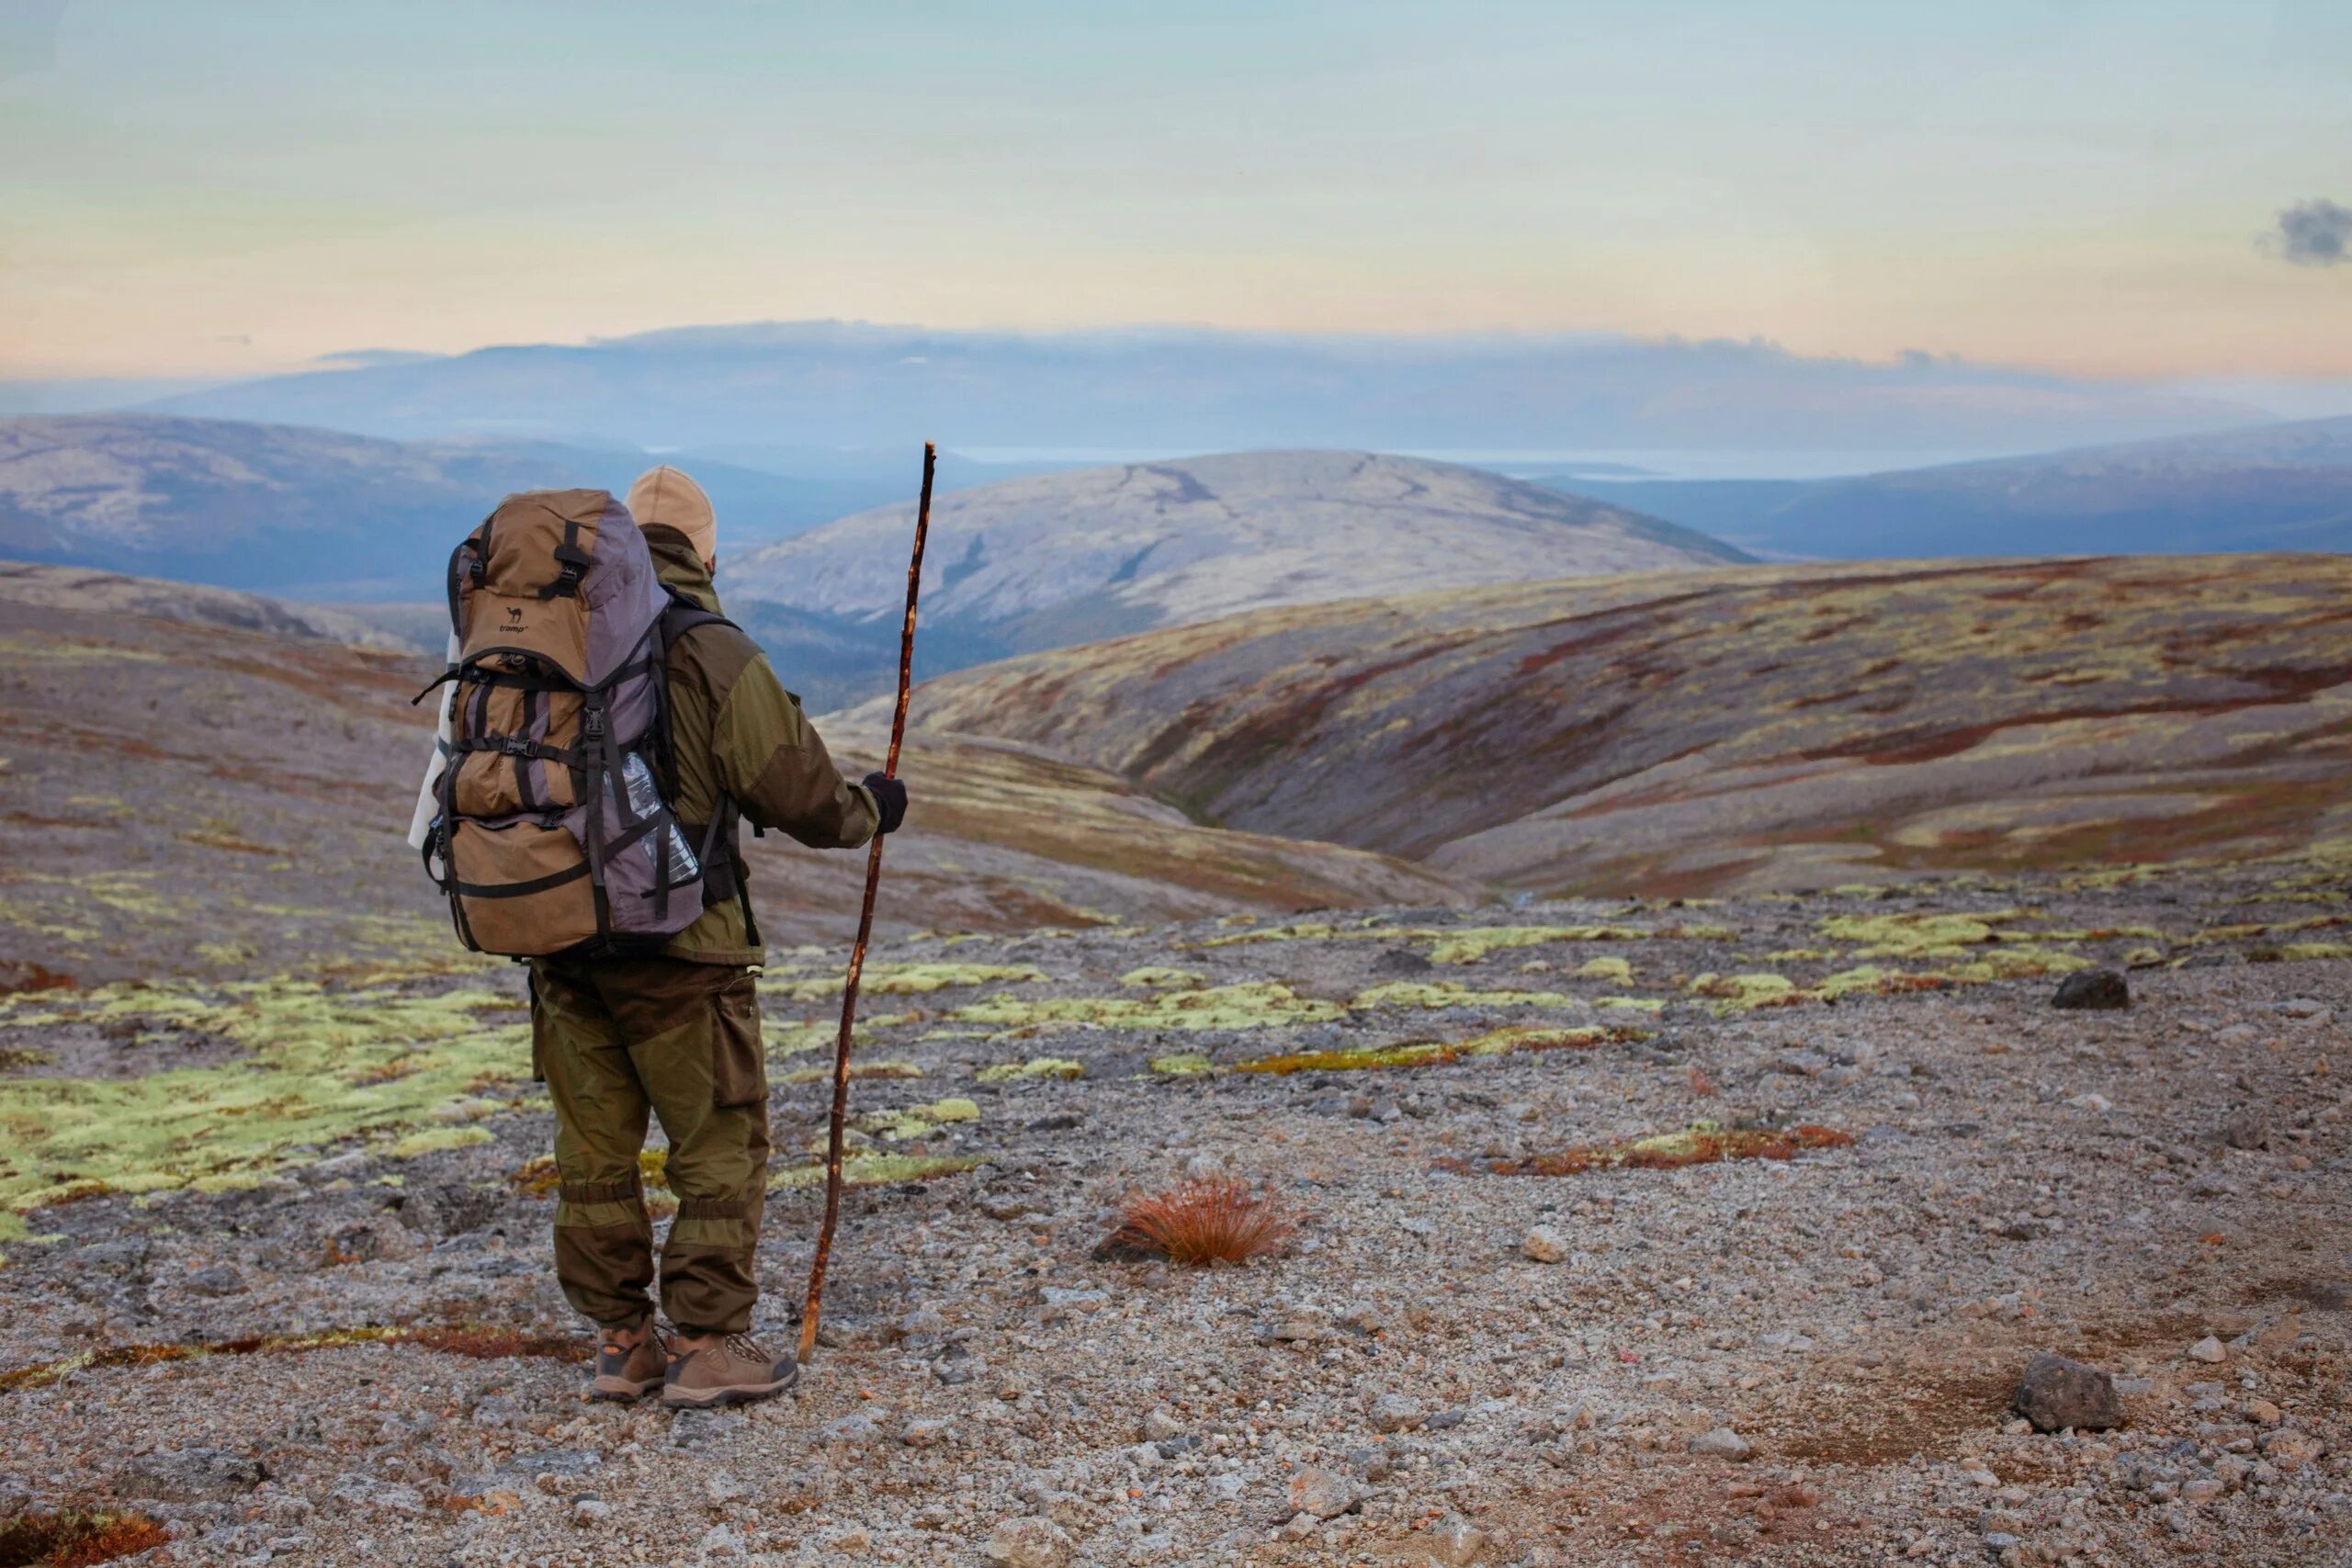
[{"x": 1808, "y": 1358}]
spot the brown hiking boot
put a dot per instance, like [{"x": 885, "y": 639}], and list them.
[
  {"x": 731, "y": 1369},
  {"x": 630, "y": 1363}
]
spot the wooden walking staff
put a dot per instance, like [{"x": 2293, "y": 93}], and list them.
[{"x": 864, "y": 929}]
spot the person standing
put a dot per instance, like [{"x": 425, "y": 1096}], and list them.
[{"x": 675, "y": 1034}]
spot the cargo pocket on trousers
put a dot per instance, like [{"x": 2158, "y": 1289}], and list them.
[{"x": 739, "y": 1071}]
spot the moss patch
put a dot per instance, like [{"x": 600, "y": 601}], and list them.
[
  {"x": 1183, "y": 1065},
  {"x": 1034, "y": 1067},
  {"x": 1430, "y": 1053},
  {"x": 1161, "y": 977},
  {"x": 1701, "y": 1143},
  {"x": 320, "y": 1065},
  {"x": 1449, "y": 994},
  {"x": 1255, "y": 1005},
  {"x": 874, "y": 1170},
  {"x": 903, "y": 979}
]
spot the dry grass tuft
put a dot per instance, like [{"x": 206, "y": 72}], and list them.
[
  {"x": 75, "y": 1539},
  {"x": 1220, "y": 1220}
]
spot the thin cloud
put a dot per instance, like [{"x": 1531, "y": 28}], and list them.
[{"x": 2313, "y": 234}]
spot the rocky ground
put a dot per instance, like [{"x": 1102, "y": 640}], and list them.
[{"x": 341, "y": 1342}]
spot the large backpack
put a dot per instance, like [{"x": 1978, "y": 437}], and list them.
[{"x": 551, "y": 834}]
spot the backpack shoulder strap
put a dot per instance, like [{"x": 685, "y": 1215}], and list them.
[{"x": 683, "y": 616}]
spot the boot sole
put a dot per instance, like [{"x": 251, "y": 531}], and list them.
[
  {"x": 740, "y": 1395},
  {"x": 621, "y": 1391}
]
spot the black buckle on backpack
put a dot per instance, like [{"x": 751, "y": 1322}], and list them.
[
  {"x": 514, "y": 745},
  {"x": 573, "y": 564}
]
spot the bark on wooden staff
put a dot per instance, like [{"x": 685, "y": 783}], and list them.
[{"x": 864, "y": 929}]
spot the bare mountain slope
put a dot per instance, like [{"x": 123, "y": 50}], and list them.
[
  {"x": 2266, "y": 487},
  {"x": 1763, "y": 727},
  {"x": 1057, "y": 559},
  {"x": 281, "y": 508},
  {"x": 224, "y": 776}
]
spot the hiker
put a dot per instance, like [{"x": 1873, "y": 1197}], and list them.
[{"x": 665, "y": 1025}]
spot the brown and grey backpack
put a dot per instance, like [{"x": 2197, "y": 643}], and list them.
[{"x": 551, "y": 834}]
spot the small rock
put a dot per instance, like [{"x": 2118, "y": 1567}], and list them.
[
  {"x": 1159, "y": 1426},
  {"x": 2247, "y": 1128},
  {"x": 719, "y": 1489},
  {"x": 1322, "y": 1493},
  {"x": 218, "y": 1279},
  {"x": 1396, "y": 1413},
  {"x": 1060, "y": 1122},
  {"x": 2093, "y": 990},
  {"x": 2289, "y": 1447},
  {"x": 1455, "y": 1542},
  {"x": 2056, "y": 1393},
  {"x": 188, "y": 1475},
  {"x": 2208, "y": 1349},
  {"x": 590, "y": 1511},
  {"x": 721, "y": 1540},
  {"x": 856, "y": 1430},
  {"x": 1545, "y": 1245},
  {"x": 2261, "y": 1412},
  {"x": 1029, "y": 1543},
  {"x": 924, "y": 1433},
  {"x": 1721, "y": 1443}
]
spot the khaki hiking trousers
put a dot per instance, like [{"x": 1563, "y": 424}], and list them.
[{"x": 618, "y": 1040}]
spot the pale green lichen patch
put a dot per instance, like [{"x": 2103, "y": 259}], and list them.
[
  {"x": 917, "y": 1121},
  {"x": 874, "y": 1170},
  {"x": 1617, "y": 971},
  {"x": 1915, "y": 936},
  {"x": 1430, "y": 1053},
  {"x": 318, "y": 1067},
  {"x": 1451, "y": 994},
  {"x": 903, "y": 979},
  {"x": 1034, "y": 1067},
  {"x": 1183, "y": 1065},
  {"x": 856, "y": 1070},
  {"x": 1261, "y": 1004},
  {"x": 1161, "y": 977}
]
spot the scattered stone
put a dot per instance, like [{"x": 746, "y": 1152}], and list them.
[
  {"x": 216, "y": 1279},
  {"x": 1402, "y": 960},
  {"x": 2093, "y": 990},
  {"x": 586, "y": 1511},
  {"x": 2056, "y": 1393},
  {"x": 1721, "y": 1443},
  {"x": 1061, "y": 1122},
  {"x": 1396, "y": 1413},
  {"x": 2247, "y": 1128},
  {"x": 1545, "y": 1245},
  {"x": 1029, "y": 1543},
  {"x": 2289, "y": 1449},
  {"x": 1159, "y": 1426},
  {"x": 1323, "y": 1494},
  {"x": 924, "y": 1434},
  {"x": 188, "y": 1475},
  {"x": 856, "y": 1430},
  {"x": 2261, "y": 1412},
  {"x": 2209, "y": 1349}
]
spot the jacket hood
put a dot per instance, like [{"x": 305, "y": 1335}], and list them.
[
  {"x": 667, "y": 496},
  {"x": 679, "y": 566}
]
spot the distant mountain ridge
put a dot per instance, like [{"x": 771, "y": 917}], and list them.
[
  {"x": 1157, "y": 389},
  {"x": 2268, "y": 486},
  {"x": 1052, "y": 559},
  {"x": 286, "y": 508}
]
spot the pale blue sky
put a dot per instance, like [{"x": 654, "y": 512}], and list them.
[{"x": 218, "y": 189}]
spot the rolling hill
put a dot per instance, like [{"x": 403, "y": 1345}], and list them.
[
  {"x": 1052, "y": 559},
  {"x": 2268, "y": 486},
  {"x": 228, "y": 778},
  {"x": 1744, "y": 728},
  {"x": 288, "y": 509}
]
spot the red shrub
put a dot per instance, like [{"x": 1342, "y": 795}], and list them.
[{"x": 1222, "y": 1219}]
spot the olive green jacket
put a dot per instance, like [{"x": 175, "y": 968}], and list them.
[{"x": 733, "y": 728}]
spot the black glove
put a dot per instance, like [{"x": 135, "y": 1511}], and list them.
[{"x": 890, "y": 798}]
